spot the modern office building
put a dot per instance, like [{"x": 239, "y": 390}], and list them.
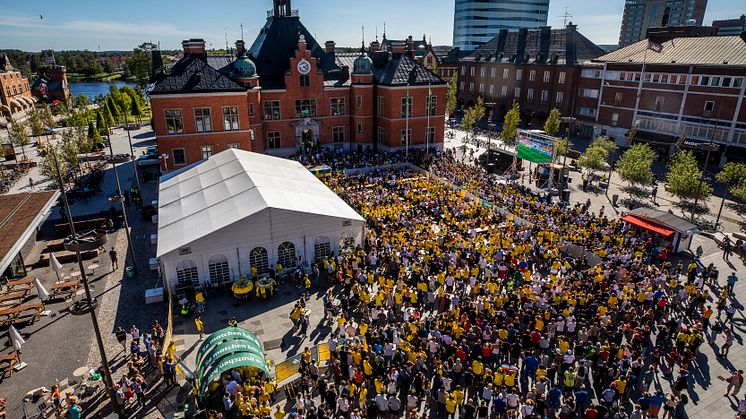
[
  {"x": 477, "y": 21},
  {"x": 727, "y": 27},
  {"x": 639, "y": 15}
]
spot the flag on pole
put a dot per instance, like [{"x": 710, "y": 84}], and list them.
[{"x": 55, "y": 265}]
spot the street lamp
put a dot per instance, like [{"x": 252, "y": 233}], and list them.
[
  {"x": 570, "y": 121},
  {"x": 76, "y": 243},
  {"x": 132, "y": 150},
  {"x": 711, "y": 146},
  {"x": 120, "y": 198}
]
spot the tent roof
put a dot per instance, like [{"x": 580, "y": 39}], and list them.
[{"x": 233, "y": 185}]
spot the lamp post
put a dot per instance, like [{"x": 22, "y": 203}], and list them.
[
  {"x": 120, "y": 198},
  {"x": 90, "y": 303},
  {"x": 709, "y": 147},
  {"x": 722, "y": 203},
  {"x": 570, "y": 121},
  {"x": 132, "y": 150}
]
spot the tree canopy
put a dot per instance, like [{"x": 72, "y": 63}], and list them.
[
  {"x": 552, "y": 124},
  {"x": 684, "y": 177},
  {"x": 452, "y": 97},
  {"x": 635, "y": 165},
  {"x": 510, "y": 124}
]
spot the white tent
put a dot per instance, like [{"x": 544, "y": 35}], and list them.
[{"x": 238, "y": 209}]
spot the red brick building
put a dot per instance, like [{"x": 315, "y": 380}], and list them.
[
  {"x": 538, "y": 68},
  {"x": 15, "y": 92},
  {"x": 687, "y": 90},
  {"x": 288, "y": 92}
]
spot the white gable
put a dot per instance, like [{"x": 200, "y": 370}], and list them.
[{"x": 233, "y": 185}]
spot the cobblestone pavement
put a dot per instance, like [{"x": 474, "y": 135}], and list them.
[{"x": 58, "y": 344}]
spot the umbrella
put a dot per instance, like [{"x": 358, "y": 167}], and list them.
[
  {"x": 16, "y": 339},
  {"x": 40, "y": 290},
  {"x": 55, "y": 265}
]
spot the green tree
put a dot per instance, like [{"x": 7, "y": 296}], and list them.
[
  {"x": 138, "y": 65},
  {"x": 635, "y": 165},
  {"x": 113, "y": 108},
  {"x": 81, "y": 102},
  {"x": 510, "y": 124},
  {"x": 19, "y": 136},
  {"x": 733, "y": 175},
  {"x": 473, "y": 115},
  {"x": 103, "y": 128},
  {"x": 46, "y": 116},
  {"x": 35, "y": 122},
  {"x": 452, "y": 98},
  {"x": 93, "y": 138},
  {"x": 683, "y": 177},
  {"x": 594, "y": 158},
  {"x": 604, "y": 142},
  {"x": 108, "y": 117},
  {"x": 135, "y": 109},
  {"x": 552, "y": 124}
]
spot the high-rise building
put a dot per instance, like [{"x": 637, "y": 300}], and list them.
[
  {"x": 639, "y": 15},
  {"x": 477, "y": 21},
  {"x": 728, "y": 27}
]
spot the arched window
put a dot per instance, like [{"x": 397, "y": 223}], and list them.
[
  {"x": 186, "y": 274},
  {"x": 219, "y": 270},
  {"x": 259, "y": 259},
  {"x": 286, "y": 255}
]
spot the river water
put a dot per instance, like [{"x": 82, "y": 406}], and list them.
[{"x": 95, "y": 89}]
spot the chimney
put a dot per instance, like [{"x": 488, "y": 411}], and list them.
[
  {"x": 743, "y": 33},
  {"x": 380, "y": 58},
  {"x": 571, "y": 53},
  {"x": 240, "y": 47},
  {"x": 521, "y": 44},
  {"x": 330, "y": 47},
  {"x": 397, "y": 48},
  {"x": 194, "y": 46},
  {"x": 410, "y": 44},
  {"x": 375, "y": 45}
]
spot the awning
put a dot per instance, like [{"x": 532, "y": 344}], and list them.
[{"x": 647, "y": 225}]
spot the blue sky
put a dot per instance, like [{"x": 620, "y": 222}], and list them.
[{"x": 94, "y": 24}]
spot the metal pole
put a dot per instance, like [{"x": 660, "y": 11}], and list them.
[
  {"x": 427, "y": 133},
  {"x": 701, "y": 180},
  {"x": 99, "y": 341},
  {"x": 132, "y": 150},
  {"x": 124, "y": 210},
  {"x": 722, "y": 203}
]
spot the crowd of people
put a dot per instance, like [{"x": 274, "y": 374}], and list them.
[{"x": 475, "y": 308}]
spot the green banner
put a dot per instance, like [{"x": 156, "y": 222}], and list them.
[
  {"x": 533, "y": 154},
  {"x": 245, "y": 359},
  {"x": 224, "y": 349},
  {"x": 229, "y": 333}
]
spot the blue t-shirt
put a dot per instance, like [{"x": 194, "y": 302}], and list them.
[
  {"x": 656, "y": 400},
  {"x": 74, "y": 411}
]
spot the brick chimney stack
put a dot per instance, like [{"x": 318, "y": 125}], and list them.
[
  {"x": 330, "y": 47},
  {"x": 194, "y": 46}
]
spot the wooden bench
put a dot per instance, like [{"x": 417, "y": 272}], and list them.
[
  {"x": 7, "y": 362},
  {"x": 66, "y": 288},
  {"x": 32, "y": 310},
  {"x": 13, "y": 298},
  {"x": 19, "y": 285}
]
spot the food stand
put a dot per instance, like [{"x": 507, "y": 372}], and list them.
[{"x": 670, "y": 228}]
